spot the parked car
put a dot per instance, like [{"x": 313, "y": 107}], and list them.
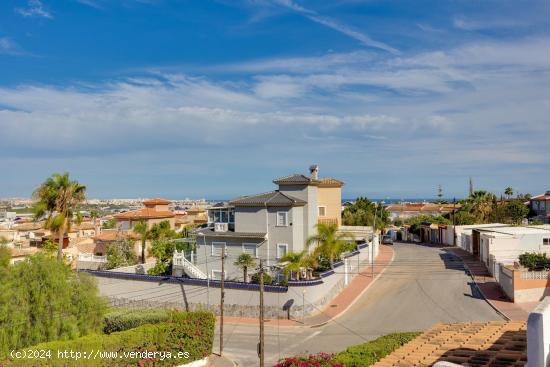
[{"x": 387, "y": 240}]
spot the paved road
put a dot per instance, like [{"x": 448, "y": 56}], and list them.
[{"x": 423, "y": 286}]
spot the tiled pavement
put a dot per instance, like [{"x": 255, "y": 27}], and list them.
[
  {"x": 479, "y": 344},
  {"x": 490, "y": 288}
]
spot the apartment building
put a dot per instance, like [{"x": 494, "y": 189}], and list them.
[{"x": 266, "y": 225}]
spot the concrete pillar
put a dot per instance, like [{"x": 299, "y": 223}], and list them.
[
  {"x": 538, "y": 335},
  {"x": 346, "y": 273}
]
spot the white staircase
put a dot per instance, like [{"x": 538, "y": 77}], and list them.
[{"x": 187, "y": 266}]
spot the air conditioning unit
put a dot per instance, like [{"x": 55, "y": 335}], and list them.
[{"x": 221, "y": 227}]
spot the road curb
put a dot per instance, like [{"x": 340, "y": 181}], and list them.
[
  {"x": 358, "y": 296},
  {"x": 469, "y": 272}
]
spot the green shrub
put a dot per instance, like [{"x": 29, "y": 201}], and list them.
[
  {"x": 367, "y": 354},
  {"x": 534, "y": 261},
  {"x": 191, "y": 332},
  {"x": 256, "y": 278},
  {"x": 125, "y": 319}
]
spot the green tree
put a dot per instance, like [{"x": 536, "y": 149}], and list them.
[
  {"x": 141, "y": 229},
  {"x": 162, "y": 230},
  {"x": 163, "y": 251},
  {"x": 244, "y": 262},
  {"x": 43, "y": 300},
  {"x": 50, "y": 247},
  {"x": 57, "y": 198},
  {"x": 121, "y": 253},
  {"x": 109, "y": 224},
  {"x": 328, "y": 242},
  {"x": 416, "y": 221},
  {"x": 363, "y": 213},
  {"x": 515, "y": 211},
  {"x": 509, "y": 191},
  {"x": 479, "y": 207}
]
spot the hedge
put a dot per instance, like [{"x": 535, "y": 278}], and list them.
[
  {"x": 125, "y": 319},
  {"x": 367, "y": 354},
  {"x": 191, "y": 332}
]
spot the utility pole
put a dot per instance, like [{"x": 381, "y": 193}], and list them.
[
  {"x": 207, "y": 275},
  {"x": 222, "y": 296},
  {"x": 372, "y": 244},
  {"x": 261, "y": 343}
]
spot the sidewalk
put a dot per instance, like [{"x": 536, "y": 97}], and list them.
[
  {"x": 358, "y": 285},
  {"x": 216, "y": 361},
  {"x": 489, "y": 287},
  {"x": 337, "y": 306}
]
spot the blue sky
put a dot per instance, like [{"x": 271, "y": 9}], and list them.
[{"x": 214, "y": 99}]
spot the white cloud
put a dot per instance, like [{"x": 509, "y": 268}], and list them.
[
  {"x": 337, "y": 26},
  {"x": 34, "y": 8},
  {"x": 9, "y": 47},
  {"x": 469, "y": 24}
]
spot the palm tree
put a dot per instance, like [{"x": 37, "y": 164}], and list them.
[
  {"x": 57, "y": 198},
  {"x": 481, "y": 204},
  {"x": 509, "y": 191},
  {"x": 244, "y": 262},
  {"x": 295, "y": 262},
  {"x": 141, "y": 229},
  {"x": 328, "y": 242}
]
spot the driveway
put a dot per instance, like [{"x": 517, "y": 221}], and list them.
[{"x": 423, "y": 286}]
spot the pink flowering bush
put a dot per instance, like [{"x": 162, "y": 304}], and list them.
[{"x": 312, "y": 360}]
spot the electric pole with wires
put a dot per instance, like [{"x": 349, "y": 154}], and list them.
[
  {"x": 261, "y": 343},
  {"x": 222, "y": 296}
]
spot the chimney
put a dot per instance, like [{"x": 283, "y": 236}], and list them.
[
  {"x": 538, "y": 335},
  {"x": 314, "y": 172}
]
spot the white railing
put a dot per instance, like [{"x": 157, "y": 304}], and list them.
[
  {"x": 190, "y": 269},
  {"x": 91, "y": 257},
  {"x": 221, "y": 227},
  {"x": 535, "y": 275}
]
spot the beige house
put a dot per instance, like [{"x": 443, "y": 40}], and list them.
[
  {"x": 329, "y": 201},
  {"x": 154, "y": 211}
]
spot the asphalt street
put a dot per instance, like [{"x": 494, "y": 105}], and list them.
[{"x": 422, "y": 286}]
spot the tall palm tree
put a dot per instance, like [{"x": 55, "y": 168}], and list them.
[
  {"x": 141, "y": 229},
  {"x": 57, "y": 198},
  {"x": 509, "y": 191},
  {"x": 244, "y": 262},
  {"x": 328, "y": 242}
]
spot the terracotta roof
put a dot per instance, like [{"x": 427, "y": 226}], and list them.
[
  {"x": 90, "y": 248},
  {"x": 25, "y": 251},
  {"x": 195, "y": 210},
  {"x": 330, "y": 182},
  {"x": 145, "y": 213},
  {"x": 28, "y": 227},
  {"x": 295, "y": 179},
  {"x": 272, "y": 198},
  {"x": 541, "y": 197},
  {"x": 156, "y": 201},
  {"x": 84, "y": 225},
  {"x": 114, "y": 236},
  {"x": 494, "y": 343}
]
